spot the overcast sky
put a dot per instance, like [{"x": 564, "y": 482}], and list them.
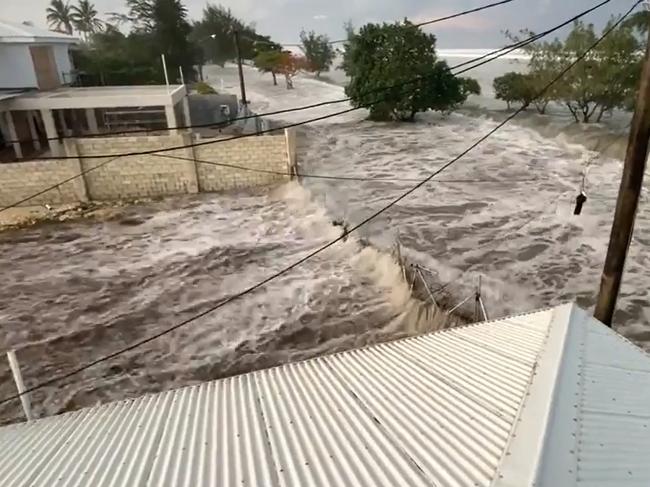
[{"x": 283, "y": 19}]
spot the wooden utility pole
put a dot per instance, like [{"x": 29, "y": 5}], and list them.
[
  {"x": 242, "y": 85},
  {"x": 628, "y": 199}
]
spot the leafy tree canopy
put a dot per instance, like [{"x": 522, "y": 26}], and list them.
[
  {"x": 59, "y": 16},
  {"x": 84, "y": 17},
  {"x": 158, "y": 27},
  {"x": 269, "y": 62},
  {"x": 515, "y": 88},
  {"x": 214, "y": 34},
  {"x": 318, "y": 51},
  {"x": 606, "y": 79},
  {"x": 397, "y": 65}
]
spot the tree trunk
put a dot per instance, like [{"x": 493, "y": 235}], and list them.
[
  {"x": 275, "y": 79},
  {"x": 573, "y": 112},
  {"x": 600, "y": 114},
  {"x": 508, "y": 103},
  {"x": 592, "y": 111}
]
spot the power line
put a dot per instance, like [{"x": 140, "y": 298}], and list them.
[
  {"x": 470, "y": 11},
  {"x": 497, "y": 53},
  {"x": 505, "y": 50},
  {"x": 60, "y": 183},
  {"x": 421, "y": 24},
  {"x": 159, "y": 152},
  {"x": 340, "y": 178},
  {"x": 440, "y": 19},
  {"x": 485, "y": 59},
  {"x": 321, "y": 249},
  {"x": 508, "y": 235}
]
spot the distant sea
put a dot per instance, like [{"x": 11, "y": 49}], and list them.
[{"x": 484, "y": 74}]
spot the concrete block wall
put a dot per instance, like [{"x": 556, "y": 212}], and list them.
[
  {"x": 19, "y": 180},
  {"x": 147, "y": 175},
  {"x": 140, "y": 176},
  {"x": 264, "y": 153}
]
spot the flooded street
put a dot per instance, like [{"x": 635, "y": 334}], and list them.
[
  {"x": 73, "y": 292},
  {"x": 81, "y": 290}
]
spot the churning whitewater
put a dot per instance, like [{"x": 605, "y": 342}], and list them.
[{"x": 75, "y": 291}]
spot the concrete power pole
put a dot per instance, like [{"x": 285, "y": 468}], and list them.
[
  {"x": 628, "y": 199},
  {"x": 241, "y": 71}
]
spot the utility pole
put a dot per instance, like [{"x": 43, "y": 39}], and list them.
[
  {"x": 628, "y": 199},
  {"x": 242, "y": 84}
]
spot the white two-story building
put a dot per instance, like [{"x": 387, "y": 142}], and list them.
[
  {"x": 33, "y": 58},
  {"x": 38, "y": 107}
]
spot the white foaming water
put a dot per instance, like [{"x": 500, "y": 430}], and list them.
[
  {"x": 73, "y": 292},
  {"x": 78, "y": 291},
  {"x": 521, "y": 235}
]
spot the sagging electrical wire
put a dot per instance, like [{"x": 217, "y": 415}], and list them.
[
  {"x": 490, "y": 56},
  {"x": 326, "y": 246},
  {"x": 484, "y": 59}
]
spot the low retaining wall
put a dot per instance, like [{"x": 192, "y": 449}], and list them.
[{"x": 148, "y": 175}]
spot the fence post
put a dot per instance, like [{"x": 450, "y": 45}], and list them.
[
  {"x": 292, "y": 162},
  {"x": 18, "y": 378},
  {"x": 80, "y": 184}
]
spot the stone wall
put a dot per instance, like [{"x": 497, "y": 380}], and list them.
[
  {"x": 144, "y": 175},
  {"x": 20, "y": 180},
  {"x": 147, "y": 175},
  {"x": 263, "y": 153}
]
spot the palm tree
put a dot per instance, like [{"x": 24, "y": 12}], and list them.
[
  {"x": 84, "y": 17},
  {"x": 59, "y": 16}
]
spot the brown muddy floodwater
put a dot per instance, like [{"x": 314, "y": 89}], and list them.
[{"x": 73, "y": 292}]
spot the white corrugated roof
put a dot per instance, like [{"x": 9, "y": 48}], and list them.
[
  {"x": 11, "y": 32},
  {"x": 552, "y": 398}
]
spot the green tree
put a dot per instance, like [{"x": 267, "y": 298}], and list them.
[
  {"x": 640, "y": 22},
  {"x": 318, "y": 51},
  {"x": 394, "y": 70},
  {"x": 269, "y": 62},
  {"x": 515, "y": 88},
  {"x": 546, "y": 61},
  {"x": 604, "y": 80},
  {"x": 348, "y": 27},
  {"x": 170, "y": 32},
  {"x": 84, "y": 17},
  {"x": 470, "y": 86},
  {"x": 141, "y": 14},
  {"x": 112, "y": 58},
  {"x": 214, "y": 34},
  {"x": 163, "y": 23},
  {"x": 59, "y": 16}
]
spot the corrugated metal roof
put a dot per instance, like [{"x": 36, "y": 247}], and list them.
[
  {"x": 551, "y": 398},
  {"x": 11, "y": 32}
]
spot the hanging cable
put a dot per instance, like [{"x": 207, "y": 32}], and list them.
[
  {"x": 421, "y": 24},
  {"x": 488, "y": 57},
  {"x": 341, "y": 178},
  {"x": 484, "y": 59},
  {"x": 322, "y": 248}
]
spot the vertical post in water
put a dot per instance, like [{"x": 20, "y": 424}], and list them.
[
  {"x": 180, "y": 70},
  {"x": 628, "y": 200},
  {"x": 18, "y": 378},
  {"x": 477, "y": 301},
  {"x": 164, "y": 63},
  {"x": 242, "y": 84}
]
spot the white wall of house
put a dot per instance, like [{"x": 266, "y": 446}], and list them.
[
  {"x": 17, "y": 68},
  {"x": 62, "y": 58}
]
